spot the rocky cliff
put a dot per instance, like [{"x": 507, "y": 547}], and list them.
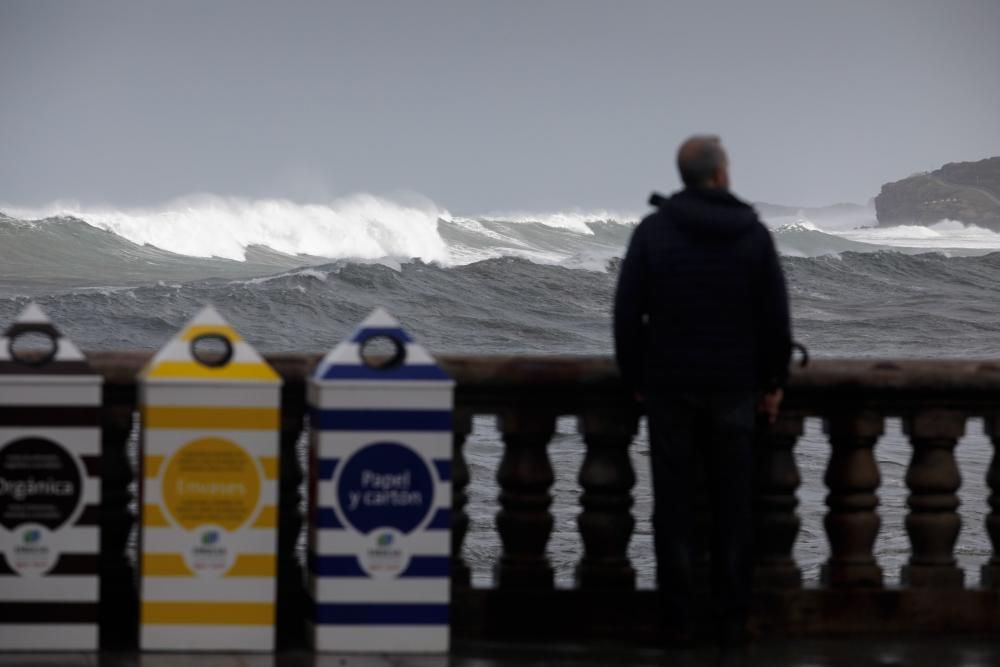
[{"x": 965, "y": 191}]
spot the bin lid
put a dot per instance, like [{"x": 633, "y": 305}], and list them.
[
  {"x": 409, "y": 362},
  {"x": 237, "y": 362},
  {"x": 61, "y": 358}
]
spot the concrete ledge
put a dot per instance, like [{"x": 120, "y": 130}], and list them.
[
  {"x": 882, "y": 651},
  {"x": 574, "y": 615}
]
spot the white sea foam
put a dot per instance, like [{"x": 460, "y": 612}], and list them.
[
  {"x": 797, "y": 225},
  {"x": 477, "y": 227},
  {"x": 367, "y": 228},
  {"x": 574, "y": 220},
  {"x": 500, "y": 237},
  {"x": 829, "y": 219},
  {"x": 945, "y": 234},
  {"x": 464, "y": 254},
  {"x": 322, "y": 276},
  {"x": 362, "y": 226}
]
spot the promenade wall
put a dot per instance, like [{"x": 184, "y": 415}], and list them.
[{"x": 853, "y": 398}]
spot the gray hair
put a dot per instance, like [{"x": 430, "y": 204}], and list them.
[{"x": 699, "y": 158}]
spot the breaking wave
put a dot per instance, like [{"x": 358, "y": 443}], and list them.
[
  {"x": 359, "y": 227},
  {"x": 295, "y": 276},
  {"x": 368, "y": 228},
  {"x": 945, "y": 234}
]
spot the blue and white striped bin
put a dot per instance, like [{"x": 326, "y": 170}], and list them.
[{"x": 381, "y": 496}]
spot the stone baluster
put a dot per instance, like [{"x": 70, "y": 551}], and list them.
[
  {"x": 119, "y": 605},
  {"x": 291, "y": 599},
  {"x": 852, "y": 477},
  {"x": 776, "y": 524},
  {"x": 462, "y": 427},
  {"x": 524, "y": 521},
  {"x": 991, "y": 570},
  {"x": 607, "y": 478},
  {"x": 933, "y": 523}
]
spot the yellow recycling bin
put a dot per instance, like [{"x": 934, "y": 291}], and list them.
[
  {"x": 210, "y": 492},
  {"x": 50, "y": 489}
]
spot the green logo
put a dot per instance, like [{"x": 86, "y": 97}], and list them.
[
  {"x": 32, "y": 536},
  {"x": 385, "y": 539},
  {"x": 210, "y": 537}
]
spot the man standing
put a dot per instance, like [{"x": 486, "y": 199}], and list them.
[{"x": 703, "y": 339}]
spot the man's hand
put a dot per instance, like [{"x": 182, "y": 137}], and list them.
[{"x": 770, "y": 404}]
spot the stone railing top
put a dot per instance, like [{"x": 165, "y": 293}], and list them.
[{"x": 563, "y": 382}]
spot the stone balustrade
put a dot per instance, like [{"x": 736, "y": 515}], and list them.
[{"x": 526, "y": 395}]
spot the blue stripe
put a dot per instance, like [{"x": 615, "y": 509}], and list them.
[
  {"x": 336, "y": 566},
  {"x": 327, "y": 518},
  {"x": 428, "y": 566},
  {"x": 444, "y": 469},
  {"x": 382, "y": 420},
  {"x": 382, "y": 614},
  {"x": 362, "y": 372},
  {"x": 326, "y": 468},
  {"x": 348, "y": 566},
  {"x": 361, "y": 335},
  {"x": 441, "y": 520}
]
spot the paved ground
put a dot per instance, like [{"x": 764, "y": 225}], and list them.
[{"x": 863, "y": 652}]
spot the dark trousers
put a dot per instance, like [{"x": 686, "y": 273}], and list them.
[{"x": 713, "y": 430}]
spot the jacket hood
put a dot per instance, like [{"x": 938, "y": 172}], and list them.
[{"x": 709, "y": 214}]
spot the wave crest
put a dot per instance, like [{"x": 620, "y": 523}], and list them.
[
  {"x": 361, "y": 226},
  {"x": 575, "y": 221},
  {"x": 942, "y": 235}
]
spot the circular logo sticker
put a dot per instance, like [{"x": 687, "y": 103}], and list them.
[
  {"x": 211, "y": 481},
  {"x": 31, "y": 553},
  {"x": 385, "y": 485},
  {"x": 210, "y": 554},
  {"x": 40, "y": 483},
  {"x": 385, "y": 555}
]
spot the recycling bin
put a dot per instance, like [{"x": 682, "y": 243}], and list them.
[
  {"x": 380, "y": 475},
  {"x": 209, "y": 492},
  {"x": 50, "y": 489}
]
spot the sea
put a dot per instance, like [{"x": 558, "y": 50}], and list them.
[{"x": 298, "y": 277}]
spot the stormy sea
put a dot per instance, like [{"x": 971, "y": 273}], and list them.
[{"x": 299, "y": 277}]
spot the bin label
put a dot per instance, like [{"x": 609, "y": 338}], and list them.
[
  {"x": 385, "y": 485},
  {"x": 39, "y": 483},
  {"x": 210, "y": 555},
  {"x": 39, "y": 492},
  {"x": 211, "y": 481}
]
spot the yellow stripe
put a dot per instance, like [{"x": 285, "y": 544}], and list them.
[
  {"x": 264, "y": 419},
  {"x": 268, "y": 517},
  {"x": 253, "y": 565},
  {"x": 152, "y": 465},
  {"x": 153, "y": 517},
  {"x": 196, "y": 330},
  {"x": 196, "y": 371},
  {"x": 208, "y": 613},
  {"x": 270, "y": 466},
  {"x": 165, "y": 565}
]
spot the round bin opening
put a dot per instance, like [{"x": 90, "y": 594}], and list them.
[
  {"x": 213, "y": 350},
  {"x": 383, "y": 352},
  {"x": 33, "y": 347},
  {"x": 803, "y": 354}
]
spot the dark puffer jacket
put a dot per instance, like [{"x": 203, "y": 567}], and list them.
[{"x": 701, "y": 301}]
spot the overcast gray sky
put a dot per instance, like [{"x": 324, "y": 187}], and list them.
[{"x": 486, "y": 106}]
